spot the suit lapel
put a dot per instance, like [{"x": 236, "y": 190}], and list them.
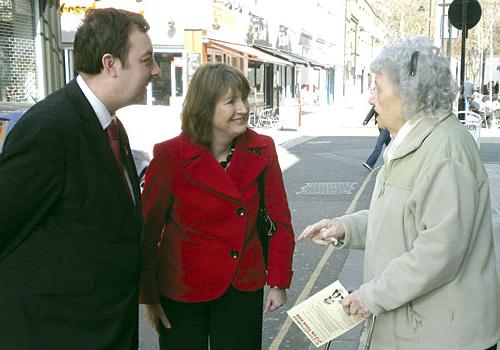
[
  {"x": 248, "y": 162},
  {"x": 97, "y": 141},
  {"x": 245, "y": 167},
  {"x": 128, "y": 162},
  {"x": 206, "y": 171},
  {"x": 203, "y": 169}
]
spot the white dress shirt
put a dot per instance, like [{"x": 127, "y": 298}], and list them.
[{"x": 104, "y": 118}]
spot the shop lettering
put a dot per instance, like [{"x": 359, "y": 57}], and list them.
[{"x": 73, "y": 10}]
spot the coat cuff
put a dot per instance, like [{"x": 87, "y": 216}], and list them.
[
  {"x": 355, "y": 229},
  {"x": 149, "y": 292},
  {"x": 364, "y": 293},
  {"x": 279, "y": 277}
]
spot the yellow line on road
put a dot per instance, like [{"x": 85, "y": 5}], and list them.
[
  {"x": 355, "y": 200},
  {"x": 312, "y": 280}
]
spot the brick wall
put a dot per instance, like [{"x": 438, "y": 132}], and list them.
[{"x": 18, "y": 81}]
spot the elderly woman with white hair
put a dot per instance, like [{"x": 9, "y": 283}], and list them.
[{"x": 430, "y": 279}]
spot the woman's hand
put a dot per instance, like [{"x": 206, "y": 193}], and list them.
[
  {"x": 324, "y": 232},
  {"x": 155, "y": 315},
  {"x": 276, "y": 298},
  {"x": 354, "y": 306}
]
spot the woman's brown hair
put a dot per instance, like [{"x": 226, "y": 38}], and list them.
[{"x": 209, "y": 83}]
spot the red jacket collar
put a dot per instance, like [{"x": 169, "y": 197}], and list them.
[
  {"x": 245, "y": 167},
  {"x": 249, "y": 140}
]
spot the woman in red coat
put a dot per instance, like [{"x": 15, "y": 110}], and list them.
[{"x": 204, "y": 269}]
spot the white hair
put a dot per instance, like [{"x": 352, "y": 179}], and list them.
[{"x": 430, "y": 87}]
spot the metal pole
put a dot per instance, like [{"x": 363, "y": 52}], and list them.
[
  {"x": 481, "y": 60},
  {"x": 448, "y": 47},
  {"x": 442, "y": 27},
  {"x": 490, "y": 88},
  {"x": 344, "y": 77},
  {"x": 461, "y": 99},
  {"x": 430, "y": 16}
]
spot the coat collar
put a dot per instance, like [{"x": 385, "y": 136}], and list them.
[
  {"x": 250, "y": 140},
  {"x": 246, "y": 165},
  {"x": 417, "y": 136}
]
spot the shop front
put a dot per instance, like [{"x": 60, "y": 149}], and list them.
[
  {"x": 314, "y": 81},
  {"x": 264, "y": 71},
  {"x": 30, "y": 51},
  {"x": 167, "y": 89}
]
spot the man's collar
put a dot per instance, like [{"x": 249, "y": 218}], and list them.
[{"x": 99, "y": 108}]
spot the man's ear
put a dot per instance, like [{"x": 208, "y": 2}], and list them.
[{"x": 110, "y": 64}]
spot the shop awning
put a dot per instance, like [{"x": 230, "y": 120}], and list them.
[
  {"x": 292, "y": 57},
  {"x": 313, "y": 63},
  {"x": 281, "y": 54},
  {"x": 253, "y": 53}
]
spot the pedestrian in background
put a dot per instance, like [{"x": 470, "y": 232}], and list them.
[
  {"x": 70, "y": 224},
  {"x": 429, "y": 269},
  {"x": 204, "y": 268},
  {"x": 384, "y": 138}
]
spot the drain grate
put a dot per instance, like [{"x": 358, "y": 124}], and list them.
[{"x": 327, "y": 188}]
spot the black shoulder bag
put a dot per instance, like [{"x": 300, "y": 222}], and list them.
[{"x": 265, "y": 225}]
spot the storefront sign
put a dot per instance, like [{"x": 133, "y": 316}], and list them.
[{"x": 73, "y": 11}]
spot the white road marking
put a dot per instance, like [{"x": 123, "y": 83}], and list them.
[{"x": 312, "y": 280}]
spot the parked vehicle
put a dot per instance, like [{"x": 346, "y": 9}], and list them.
[{"x": 7, "y": 122}]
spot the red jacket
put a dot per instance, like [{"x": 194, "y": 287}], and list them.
[{"x": 199, "y": 221}]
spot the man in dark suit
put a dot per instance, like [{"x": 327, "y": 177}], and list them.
[{"x": 70, "y": 218}]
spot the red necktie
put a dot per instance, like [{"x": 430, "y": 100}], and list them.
[{"x": 114, "y": 141}]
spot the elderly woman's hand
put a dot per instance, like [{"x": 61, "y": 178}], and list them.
[
  {"x": 324, "y": 232},
  {"x": 354, "y": 306}
]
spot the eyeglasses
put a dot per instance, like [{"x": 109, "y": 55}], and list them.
[{"x": 413, "y": 64}]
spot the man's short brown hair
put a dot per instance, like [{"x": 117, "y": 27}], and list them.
[{"x": 104, "y": 31}]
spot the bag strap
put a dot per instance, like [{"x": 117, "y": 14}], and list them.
[
  {"x": 260, "y": 180},
  {"x": 261, "y": 191}
]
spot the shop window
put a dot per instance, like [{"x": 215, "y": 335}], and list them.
[
  {"x": 69, "y": 69},
  {"x": 215, "y": 58},
  {"x": 234, "y": 62},
  {"x": 18, "y": 71},
  {"x": 256, "y": 80},
  {"x": 169, "y": 84}
]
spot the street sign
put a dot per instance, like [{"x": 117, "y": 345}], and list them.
[
  {"x": 464, "y": 15},
  {"x": 473, "y": 13}
]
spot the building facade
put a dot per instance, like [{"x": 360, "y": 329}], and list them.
[
  {"x": 364, "y": 36},
  {"x": 30, "y": 50},
  {"x": 284, "y": 61},
  {"x": 291, "y": 53}
]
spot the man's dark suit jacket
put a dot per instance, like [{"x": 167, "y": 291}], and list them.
[{"x": 70, "y": 233}]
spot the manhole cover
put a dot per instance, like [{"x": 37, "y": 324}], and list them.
[
  {"x": 328, "y": 188},
  {"x": 318, "y": 142}
]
